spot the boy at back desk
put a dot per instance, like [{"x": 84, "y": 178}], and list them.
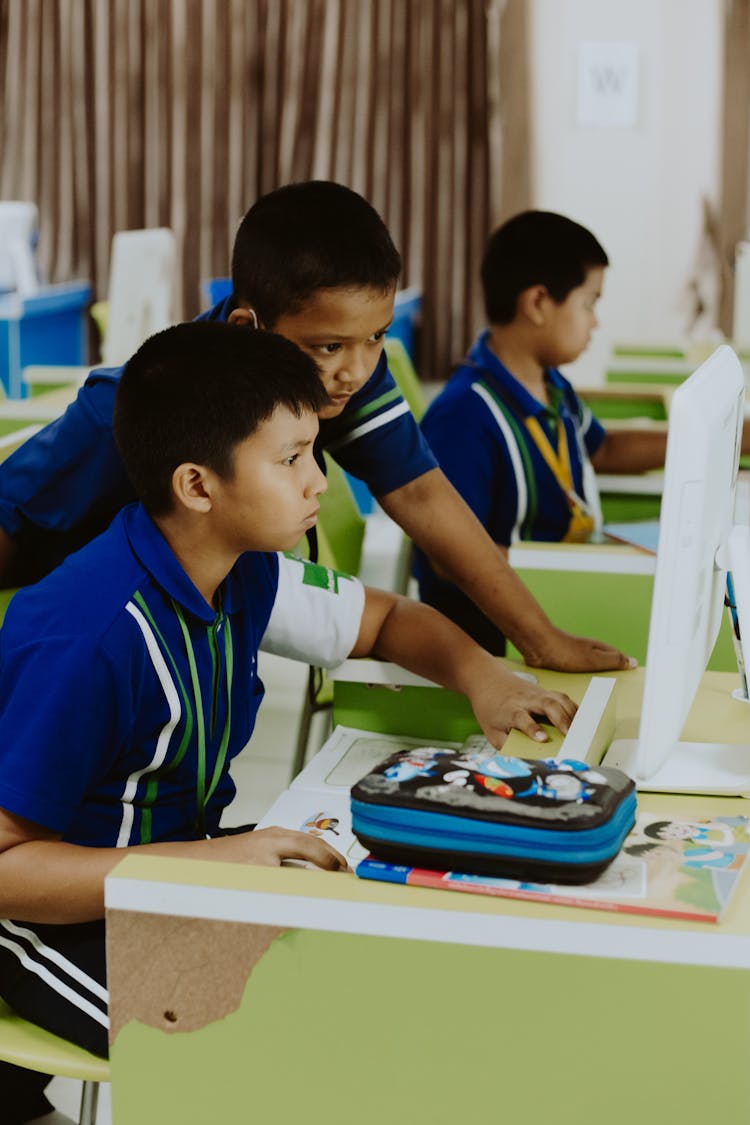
[
  {"x": 315, "y": 263},
  {"x": 508, "y": 430},
  {"x": 128, "y": 676}
]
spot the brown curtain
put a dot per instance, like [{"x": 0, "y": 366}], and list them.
[{"x": 120, "y": 114}]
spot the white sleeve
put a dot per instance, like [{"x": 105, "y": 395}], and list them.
[{"x": 316, "y": 614}]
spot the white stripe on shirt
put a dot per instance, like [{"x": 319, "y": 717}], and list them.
[
  {"x": 162, "y": 743},
  {"x": 373, "y": 424},
  {"x": 515, "y": 458}
]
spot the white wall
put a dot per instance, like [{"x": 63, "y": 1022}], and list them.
[{"x": 637, "y": 187}]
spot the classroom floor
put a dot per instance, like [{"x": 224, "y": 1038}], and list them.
[{"x": 262, "y": 771}]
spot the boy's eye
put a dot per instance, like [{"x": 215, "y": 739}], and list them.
[
  {"x": 291, "y": 459},
  {"x": 377, "y": 337},
  {"x": 328, "y": 349}
]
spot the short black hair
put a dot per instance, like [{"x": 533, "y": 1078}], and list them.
[
  {"x": 308, "y": 236},
  {"x": 655, "y": 830},
  {"x": 535, "y": 248},
  {"x": 195, "y": 391}
]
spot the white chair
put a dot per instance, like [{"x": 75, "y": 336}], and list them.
[
  {"x": 141, "y": 294},
  {"x": 19, "y": 228},
  {"x": 140, "y": 301}
]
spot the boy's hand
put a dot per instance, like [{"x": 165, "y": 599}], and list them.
[
  {"x": 563, "y": 652},
  {"x": 502, "y": 702},
  {"x": 270, "y": 846}
]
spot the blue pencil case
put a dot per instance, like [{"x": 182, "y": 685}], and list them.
[{"x": 478, "y": 811}]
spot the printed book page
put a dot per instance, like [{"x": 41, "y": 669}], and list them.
[
  {"x": 668, "y": 867},
  {"x": 326, "y": 815}
]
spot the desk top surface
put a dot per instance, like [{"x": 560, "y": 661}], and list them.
[{"x": 343, "y": 903}]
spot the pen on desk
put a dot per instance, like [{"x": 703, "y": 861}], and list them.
[{"x": 731, "y": 605}]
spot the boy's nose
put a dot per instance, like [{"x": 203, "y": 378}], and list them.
[
  {"x": 354, "y": 369},
  {"x": 319, "y": 482}
]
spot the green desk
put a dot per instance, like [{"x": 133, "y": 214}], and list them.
[
  {"x": 280, "y": 995},
  {"x": 620, "y": 403},
  {"x": 602, "y": 591}
]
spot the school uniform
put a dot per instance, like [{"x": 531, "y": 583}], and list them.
[
  {"x": 124, "y": 697},
  {"x": 522, "y": 467},
  {"x": 64, "y": 486}
]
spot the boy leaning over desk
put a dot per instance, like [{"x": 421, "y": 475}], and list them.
[
  {"x": 508, "y": 430},
  {"x": 315, "y": 263},
  {"x": 128, "y": 676}
]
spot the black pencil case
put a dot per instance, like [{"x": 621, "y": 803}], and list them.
[{"x": 478, "y": 811}]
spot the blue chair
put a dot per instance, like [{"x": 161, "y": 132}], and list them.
[{"x": 216, "y": 289}]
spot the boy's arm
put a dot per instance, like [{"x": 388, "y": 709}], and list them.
[
  {"x": 631, "y": 451},
  {"x": 637, "y": 451},
  {"x": 66, "y": 472},
  {"x": 43, "y": 879},
  {"x": 419, "y": 638},
  {"x": 434, "y": 515}
]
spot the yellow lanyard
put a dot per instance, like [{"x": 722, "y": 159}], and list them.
[{"x": 581, "y": 521}]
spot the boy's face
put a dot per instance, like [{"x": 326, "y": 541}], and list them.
[
  {"x": 572, "y": 321},
  {"x": 271, "y": 498},
  {"x": 343, "y": 330}
]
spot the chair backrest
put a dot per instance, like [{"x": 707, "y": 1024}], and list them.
[
  {"x": 403, "y": 371},
  {"x": 215, "y": 289},
  {"x": 141, "y": 295},
  {"x": 19, "y": 228},
  {"x": 341, "y": 527},
  {"x": 5, "y": 597}
]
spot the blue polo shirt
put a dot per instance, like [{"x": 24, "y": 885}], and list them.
[
  {"x": 475, "y": 428},
  {"x": 63, "y": 486},
  {"x": 124, "y": 696}
]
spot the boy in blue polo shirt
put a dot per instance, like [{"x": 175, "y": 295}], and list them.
[
  {"x": 315, "y": 263},
  {"x": 508, "y": 430},
  {"x": 128, "y": 676}
]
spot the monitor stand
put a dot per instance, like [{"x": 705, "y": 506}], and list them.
[{"x": 705, "y": 768}]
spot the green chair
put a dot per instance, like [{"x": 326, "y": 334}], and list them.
[
  {"x": 340, "y": 534},
  {"x": 5, "y": 596},
  {"x": 26, "y": 1045},
  {"x": 342, "y": 524},
  {"x": 403, "y": 371}
]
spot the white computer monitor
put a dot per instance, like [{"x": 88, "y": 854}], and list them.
[{"x": 695, "y": 524}]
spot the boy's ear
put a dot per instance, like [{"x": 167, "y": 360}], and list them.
[
  {"x": 191, "y": 486},
  {"x": 244, "y": 317},
  {"x": 532, "y": 304}
]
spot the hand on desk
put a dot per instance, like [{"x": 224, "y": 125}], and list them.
[
  {"x": 270, "y": 847},
  {"x": 502, "y": 701},
  {"x": 565, "y": 652}
]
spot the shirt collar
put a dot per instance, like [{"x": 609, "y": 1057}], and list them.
[
  {"x": 221, "y": 310},
  {"x": 526, "y": 404},
  {"x": 154, "y": 553}
]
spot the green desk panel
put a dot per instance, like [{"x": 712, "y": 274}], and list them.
[
  {"x": 611, "y": 607},
  {"x": 339, "y": 1028},
  {"x": 607, "y": 409},
  {"x": 625, "y": 507},
  {"x": 421, "y": 712},
  {"x": 665, "y": 378}
]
